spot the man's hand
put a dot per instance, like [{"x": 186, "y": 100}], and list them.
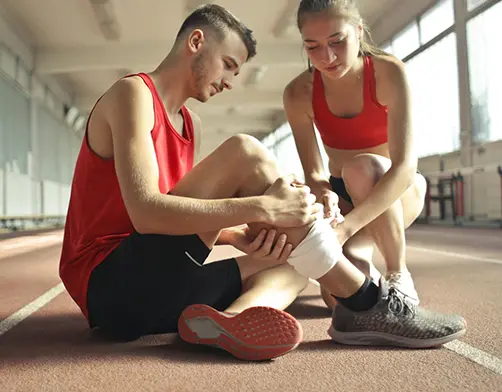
[
  {"x": 290, "y": 203},
  {"x": 265, "y": 246}
]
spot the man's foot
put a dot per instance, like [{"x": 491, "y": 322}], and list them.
[
  {"x": 258, "y": 333},
  {"x": 403, "y": 282},
  {"x": 394, "y": 321}
]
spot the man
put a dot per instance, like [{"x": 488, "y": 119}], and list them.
[{"x": 142, "y": 220}]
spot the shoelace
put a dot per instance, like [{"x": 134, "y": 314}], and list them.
[
  {"x": 394, "y": 277},
  {"x": 393, "y": 280},
  {"x": 398, "y": 305}
]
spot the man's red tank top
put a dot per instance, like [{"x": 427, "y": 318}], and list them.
[
  {"x": 367, "y": 129},
  {"x": 97, "y": 219}
]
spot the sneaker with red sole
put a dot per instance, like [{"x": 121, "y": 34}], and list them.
[{"x": 256, "y": 334}]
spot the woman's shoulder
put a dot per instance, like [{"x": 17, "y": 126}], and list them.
[
  {"x": 390, "y": 77},
  {"x": 300, "y": 88},
  {"x": 387, "y": 66}
]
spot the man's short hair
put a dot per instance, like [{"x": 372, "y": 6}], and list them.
[{"x": 220, "y": 21}]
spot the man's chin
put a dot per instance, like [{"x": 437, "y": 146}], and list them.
[{"x": 202, "y": 98}]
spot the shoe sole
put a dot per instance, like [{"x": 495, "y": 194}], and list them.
[
  {"x": 256, "y": 334},
  {"x": 383, "y": 339}
]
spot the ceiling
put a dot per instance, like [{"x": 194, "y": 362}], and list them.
[{"x": 87, "y": 44}]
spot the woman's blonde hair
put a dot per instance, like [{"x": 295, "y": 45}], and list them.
[{"x": 346, "y": 9}]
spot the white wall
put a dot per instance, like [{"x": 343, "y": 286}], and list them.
[
  {"x": 32, "y": 118},
  {"x": 13, "y": 41}
]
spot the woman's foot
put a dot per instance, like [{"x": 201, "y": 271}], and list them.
[{"x": 403, "y": 282}]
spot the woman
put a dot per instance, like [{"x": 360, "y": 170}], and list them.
[{"x": 358, "y": 98}]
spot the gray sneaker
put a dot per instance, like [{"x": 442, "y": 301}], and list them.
[{"x": 394, "y": 321}]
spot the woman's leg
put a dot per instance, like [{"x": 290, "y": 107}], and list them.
[{"x": 387, "y": 231}]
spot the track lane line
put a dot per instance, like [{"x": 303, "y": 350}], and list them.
[
  {"x": 25, "y": 312},
  {"x": 454, "y": 254}
]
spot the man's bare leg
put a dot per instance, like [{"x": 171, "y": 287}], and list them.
[
  {"x": 267, "y": 287},
  {"x": 252, "y": 171},
  {"x": 359, "y": 251},
  {"x": 276, "y": 287},
  {"x": 352, "y": 288}
]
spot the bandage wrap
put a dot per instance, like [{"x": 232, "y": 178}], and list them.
[{"x": 318, "y": 252}]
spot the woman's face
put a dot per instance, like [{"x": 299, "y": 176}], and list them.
[{"x": 331, "y": 43}]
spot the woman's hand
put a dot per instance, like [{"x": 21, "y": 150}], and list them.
[{"x": 329, "y": 200}]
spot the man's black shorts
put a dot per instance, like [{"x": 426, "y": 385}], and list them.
[{"x": 143, "y": 286}]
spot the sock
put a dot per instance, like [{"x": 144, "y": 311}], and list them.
[{"x": 365, "y": 298}]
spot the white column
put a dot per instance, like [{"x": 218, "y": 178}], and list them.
[
  {"x": 466, "y": 159},
  {"x": 34, "y": 169}
]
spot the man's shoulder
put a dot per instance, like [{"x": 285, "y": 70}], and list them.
[
  {"x": 129, "y": 86},
  {"x": 124, "y": 94}
]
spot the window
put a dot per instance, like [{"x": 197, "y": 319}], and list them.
[
  {"x": 387, "y": 48},
  {"x": 433, "y": 78},
  {"x": 485, "y": 75},
  {"x": 15, "y": 132},
  {"x": 406, "y": 42},
  {"x": 472, "y": 4},
  {"x": 436, "y": 20}
]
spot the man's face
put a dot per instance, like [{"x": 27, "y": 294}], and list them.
[{"x": 215, "y": 64}]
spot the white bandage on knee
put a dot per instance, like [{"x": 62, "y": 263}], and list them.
[{"x": 318, "y": 252}]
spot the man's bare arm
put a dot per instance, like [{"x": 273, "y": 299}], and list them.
[{"x": 129, "y": 113}]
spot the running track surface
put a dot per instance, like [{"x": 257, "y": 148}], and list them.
[{"x": 45, "y": 344}]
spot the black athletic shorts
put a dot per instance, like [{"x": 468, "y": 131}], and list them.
[
  {"x": 142, "y": 287},
  {"x": 338, "y": 186}
]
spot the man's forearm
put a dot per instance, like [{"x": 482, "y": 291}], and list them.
[{"x": 175, "y": 215}]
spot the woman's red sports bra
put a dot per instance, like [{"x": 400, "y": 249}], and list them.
[{"x": 367, "y": 129}]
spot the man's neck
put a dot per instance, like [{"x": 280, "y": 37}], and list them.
[{"x": 170, "y": 79}]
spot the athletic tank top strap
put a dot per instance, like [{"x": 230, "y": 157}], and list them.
[
  {"x": 161, "y": 115},
  {"x": 370, "y": 95},
  {"x": 320, "y": 106}
]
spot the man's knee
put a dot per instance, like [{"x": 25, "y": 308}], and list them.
[
  {"x": 254, "y": 163},
  {"x": 318, "y": 252},
  {"x": 361, "y": 173},
  {"x": 248, "y": 149}
]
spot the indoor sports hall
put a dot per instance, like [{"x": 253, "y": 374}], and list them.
[{"x": 58, "y": 57}]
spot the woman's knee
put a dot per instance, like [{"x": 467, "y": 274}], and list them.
[
  {"x": 420, "y": 188},
  {"x": 413, "y": 200},
  {"x": 361, "y": 173}
]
